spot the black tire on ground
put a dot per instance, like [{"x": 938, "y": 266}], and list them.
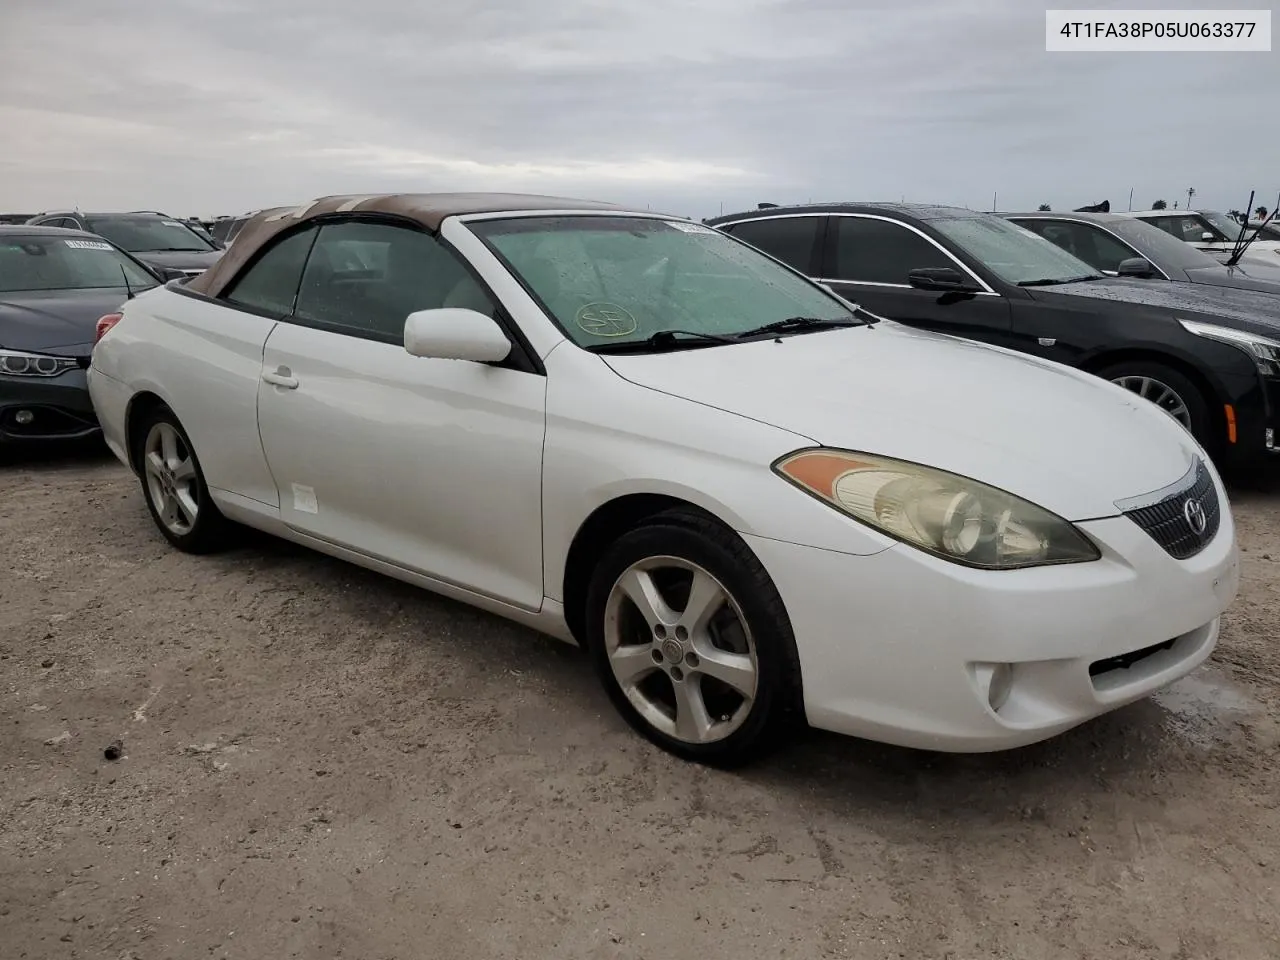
[
  {"x": 211, "y": 529},
  {"x": 1203, "y": 426},
  {"x": 777, "y": 707}
]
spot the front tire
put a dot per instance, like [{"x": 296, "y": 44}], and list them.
[
  {"x": 691, "y": 640},
  {"x": 1171, "y": 391},
  {"x": 174, "y": 486}
]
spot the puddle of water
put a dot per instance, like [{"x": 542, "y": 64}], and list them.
[{"x": 1203, "y": 706}]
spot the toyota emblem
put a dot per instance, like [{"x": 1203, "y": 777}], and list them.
[{"x": 1193, "y": 510}]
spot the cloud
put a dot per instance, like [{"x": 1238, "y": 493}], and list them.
[{"x": 201, "y": 107}]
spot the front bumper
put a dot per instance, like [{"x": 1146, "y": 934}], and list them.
[
  {"x": 899, "y": 646},
  {"x": 1257, "y": 413},
  {"x": 59, "y": 408}
]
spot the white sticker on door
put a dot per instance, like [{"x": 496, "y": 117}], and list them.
[{"x": 304, "y": 499}]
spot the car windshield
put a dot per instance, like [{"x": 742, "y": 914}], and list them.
[
  {"x": 1222, "y": 223},
  {"x": 621, "y": 279},
  {"x": 1013, "y": 253},
  {"x": 148, "y": 234},
  {"x": 1163, "y": 249},
  {"x": 29, "y": 263}
]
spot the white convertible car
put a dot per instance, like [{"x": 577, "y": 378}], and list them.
[{"x": 751, "y": 501}]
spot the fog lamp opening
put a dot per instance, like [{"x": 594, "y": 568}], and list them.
[{"x": 995, "y": 681}]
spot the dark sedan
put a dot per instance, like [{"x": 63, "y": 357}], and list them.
[
  {"x": 54, "y": 286},
  {"x": 1124, "y": 246},
  {"x": 170, "y": 247},
  {"x": 1208, "y": 356}
]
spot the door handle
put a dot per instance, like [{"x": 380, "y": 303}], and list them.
[{"x": 281, "y": 378}]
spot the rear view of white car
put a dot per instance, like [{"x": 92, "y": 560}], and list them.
[{"x": 749, "y": 500}]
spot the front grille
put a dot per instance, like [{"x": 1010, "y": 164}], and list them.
[{"x": 1169, "y": 520}]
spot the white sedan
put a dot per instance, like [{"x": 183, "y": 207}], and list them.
[{"x": 751, "y": 501}]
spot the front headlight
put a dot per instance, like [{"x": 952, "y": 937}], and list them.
[
  {"x": 15, "y": 363},
  {"x": 1264, "y": 350},
  {"x": 944, "y": 514}
]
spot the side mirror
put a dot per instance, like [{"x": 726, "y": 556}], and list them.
[
  {"x": 452, "y": 333},
  {"x": 1208, "y": 237},
  {"x": 171, "y": 273},
  {"x": 1138, "y": 267},
  {"x": 942, "y": 280}
]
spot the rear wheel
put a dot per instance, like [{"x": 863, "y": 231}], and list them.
[
  {"x": 690, "y": 638},
  {"x": 174, "y": 485},
  {"x": 1170, "y": 390}
]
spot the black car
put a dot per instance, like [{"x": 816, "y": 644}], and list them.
[
  {"x": 1208, "y": 356},
  {"x": 166, "y": 244},
  {"x": 55, "y": 284},
  {"x": 1128, "y": 247}
]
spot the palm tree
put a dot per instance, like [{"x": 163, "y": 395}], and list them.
[
  {"x": 1159, "y": 205},
  {"x": 1044, "y": 208}
]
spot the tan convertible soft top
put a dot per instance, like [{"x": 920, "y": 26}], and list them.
[{"x": 428, "y": 209}]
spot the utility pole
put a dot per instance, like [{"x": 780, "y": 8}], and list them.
[
  {"x": 1131, "y": 198},
  {"x": 993, "y": 202},
  {"x": 1191, "y": 192}
]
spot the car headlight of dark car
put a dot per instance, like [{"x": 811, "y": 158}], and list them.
[
  {"x": 1264, "y": 351},
  {"x": 17, "y": 363}
]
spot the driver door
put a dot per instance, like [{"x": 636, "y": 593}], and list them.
[{"x": 432, "y": 465}]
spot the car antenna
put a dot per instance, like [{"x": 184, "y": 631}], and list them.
[{"x": 128, "y": 290}]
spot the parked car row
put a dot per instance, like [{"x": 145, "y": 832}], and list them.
[
  {"x": 172, "y": 247},
  {"x": 55, "y": 284},
  {"x": 751, "y": 499},
  {"x": 1205, "y": 350}
]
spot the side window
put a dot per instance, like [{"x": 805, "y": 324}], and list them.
[
  {"x": 791, "y": 239},
  {"x": 1091, "y": 244},
  {"x": 271, "y": 282},
  {"x": 1188, "y": 229},
  {"x": 880, "y": 251},
  {"x": 1104, "y": 251},
  {"x": 364, "y": 279}
]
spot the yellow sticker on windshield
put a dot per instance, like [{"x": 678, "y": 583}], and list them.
[{"x": 606, "y": 320}]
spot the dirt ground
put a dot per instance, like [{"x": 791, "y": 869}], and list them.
[{"x": 320, "y": 762}]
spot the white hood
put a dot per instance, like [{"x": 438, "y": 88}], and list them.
[{"x": 1065, "y": 440}]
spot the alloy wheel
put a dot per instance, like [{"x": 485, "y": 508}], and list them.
[
  {"x": 171, "y": 479},
  {"x": 681, "y": 649},
  {"x": 1161, "y": 394}
]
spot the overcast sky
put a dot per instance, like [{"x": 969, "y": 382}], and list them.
[{"x": 218, "y": 106}]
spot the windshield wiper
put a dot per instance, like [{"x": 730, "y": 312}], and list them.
[
  {"x": 801, "y": 323},
  {"x": 176, "y": 250},
  {"x": 662, "y": 340},
  {"x": 1054, "y": 281}
]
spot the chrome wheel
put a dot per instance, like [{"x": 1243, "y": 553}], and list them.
[
  {"x": 681, "y": 650},
  {"x": 171, "y": 479},
  {"x": 1161, "y": 394}
]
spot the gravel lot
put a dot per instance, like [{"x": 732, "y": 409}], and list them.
[{"x": 320, "y": 762}]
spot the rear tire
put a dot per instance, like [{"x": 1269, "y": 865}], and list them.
[
  {"x": 174, "y": 487},
  {"x": 705, "y": 665},
  {"x": 1171, "y": 391}
]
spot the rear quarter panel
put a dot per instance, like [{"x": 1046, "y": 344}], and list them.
[{"x": 204, "y": 360}]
